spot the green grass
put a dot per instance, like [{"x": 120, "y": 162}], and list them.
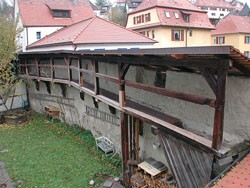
[{"x": 41, "y": 154}]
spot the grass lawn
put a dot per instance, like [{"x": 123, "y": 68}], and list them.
[{"x": 41, "y": 154}]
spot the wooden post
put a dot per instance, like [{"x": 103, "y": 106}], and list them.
[
  {"x": 79, "y": 72},
  {"x": 96, "y": 79},
  {"x": 122, "y": 95},
  {"x": 37, "y": 68},
  {"x": 137, "y": 146},
  {"x": 26, "y": 67},
  {"x": 220, "y": 103},
  {"x": 124, "y": 143},
  {"x": 52, "y": 72}
]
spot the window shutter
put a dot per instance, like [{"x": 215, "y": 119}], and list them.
[
  {"x": 142, "y": 18},
  {"x": 217, "y": 40},
  {"x": 149, "y": 17},
  {"x": 223, "y": 40},
  {"x": 134, "y": 20},
  {"x": 182, "y": 35},
  {"x": 172, "y": 35},
  {"x": 245, "y": 39}
]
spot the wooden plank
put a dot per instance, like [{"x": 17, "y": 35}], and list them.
[
  {"x": 108, "y": 78},
  {"x": 151, "y": 119},
  {"x": 169, "y": 93},
  {"x": 90, "y": 72}
]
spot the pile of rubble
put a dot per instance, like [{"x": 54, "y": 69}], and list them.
[{"x": 141, "y": 179}]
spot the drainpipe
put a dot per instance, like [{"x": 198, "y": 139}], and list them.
[{"x": 187, "y": 36}]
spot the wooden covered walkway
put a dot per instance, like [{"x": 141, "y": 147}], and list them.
[{"x": 213, "y": 63}]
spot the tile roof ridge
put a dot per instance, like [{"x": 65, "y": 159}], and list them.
[
  {"x": 90, "y": 21},
  {"x": 126, "y": 28}
]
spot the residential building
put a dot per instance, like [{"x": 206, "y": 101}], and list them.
[
  {"x": 217, "y": 9},
  {"x": 130, "y": 5},
  {"x": 233, "y": 30},
  {"x": 39, "y": 18},
  {"x": 92, "y": 34},
  {"x": 171, "y": 23}
]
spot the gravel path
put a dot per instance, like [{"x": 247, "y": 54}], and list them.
[{"x": 5, "y": 181}]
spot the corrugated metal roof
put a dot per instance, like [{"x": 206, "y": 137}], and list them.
[{"x": 238, "y": 177}]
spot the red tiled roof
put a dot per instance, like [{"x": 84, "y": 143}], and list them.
[
  {"x": 92, "y": 31},
  {"x": 214, "y": 3},
  {"x": 238, "y": 177},
  {"x": 233, "y": 24},
  {"x": 180, "y": 4},
  {"x": 38, "y": 13},
  {"x": 197, "y": 19}
]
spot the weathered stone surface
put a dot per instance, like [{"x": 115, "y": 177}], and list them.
[{"x": 5, "y": 181}]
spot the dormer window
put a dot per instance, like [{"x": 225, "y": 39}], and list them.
[
  {"x": 167, "y": 14},
  {"x": 59, "y": 10},
  {"x": 61, "y": 13},
  {"x": 186, "y": 16},
  {"x": 176, "y": 15}
]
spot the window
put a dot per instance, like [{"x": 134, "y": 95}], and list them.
[
  {"x": 153, "y": 34},
  {"x": 176, "y": 15},
  {"x": 177, "y": 35},
  {"x": 213, "y": 14},
  {"x": 190, "y": 33},
  {"x": 38, "y": 35},
  {"x": 147, "y": 33},
  {"x": 186, "y": 17},
  {"x": 219, "y": 40},
  {"x": 167, "y": 14},
  {"x": 247, "y": 39},
  {"x": 247, "y": 54},
  {"x": 61, "y": 13},
  {"x": 221, "y": 14},
  {"x": 147, "y": 17}
]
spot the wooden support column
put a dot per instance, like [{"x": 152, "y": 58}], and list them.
[
  {"x": 96, "y": 79},
  {"x": 80, "y": 74},
  {"x": 125, "y": 147},
  {"x": 26, "y": 67},
  {"x": 122, "y": 70},
  {"x": 220, "y": 103},
  {"x": 37, "y": 68},
  {"x": 52, "y": 68}
]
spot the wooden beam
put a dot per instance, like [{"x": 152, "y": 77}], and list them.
[
  {"x": 108, "y": 78},
  {"x": 159, "y": 60},
  {"x": 96, "y": 79},
  {"x": 125, "y": 147},
  {"x": 210, "y": 78},
  {"x": 122, "y": 95},
  {"x": 80, "y": 74},
  {"x": 169, "y": 93},
  {"x": 219, "y": 110},
  {"x": 37, "y": 67}
]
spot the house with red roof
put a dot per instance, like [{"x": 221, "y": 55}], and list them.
[
  {"x": 172, "y": 23},
  {"x": 39, "y": 18},
  {"x": 92, "y": 34},
  {"x": 233, "y": 30},
  {"x": 218, "y": 9}
]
